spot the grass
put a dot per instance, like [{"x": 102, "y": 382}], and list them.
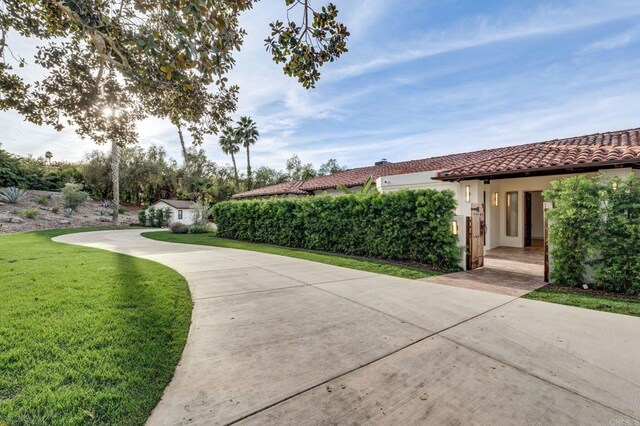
[
  {"x": 378, "y": 267},
  {"x": 86, "y": 336},
  {"x": 588, "y": 301}
]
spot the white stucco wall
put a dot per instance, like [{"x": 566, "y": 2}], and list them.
[
  {"x": 495, "y": 216},
  {"x": 187, "y": 214}
]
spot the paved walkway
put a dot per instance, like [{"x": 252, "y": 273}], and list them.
[
  {"x": 508, "y": 270},
  {"x": 276, "y": 340}
]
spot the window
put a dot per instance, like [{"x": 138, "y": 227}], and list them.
[
  {"x": 512, "y": 214},
  {"x": 179, "y": 214}
]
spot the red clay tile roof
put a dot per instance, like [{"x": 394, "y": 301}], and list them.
[
  {"x": 583, "y": 152},
  {"x": 357, "y": 177},
  {"x": 611, "y": 147},
  {"x": 285, "y": 188}
]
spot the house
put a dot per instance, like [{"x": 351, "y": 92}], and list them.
[
  {"x": 182, "y": 210},
  {"x": 499, "y": 191}
]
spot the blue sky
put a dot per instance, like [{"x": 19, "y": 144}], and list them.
[{"x": 422, "y": 78}]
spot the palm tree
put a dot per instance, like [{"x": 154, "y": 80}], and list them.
[
  {"x": 247, "y": 132},
  {"x": 230, "y": 145},
  {"x": 48, "y": 155}
]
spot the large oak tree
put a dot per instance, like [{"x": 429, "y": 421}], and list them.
[{"x": 136, "y": 58}]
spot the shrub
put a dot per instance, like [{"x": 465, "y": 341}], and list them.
[
  {"x": 404, "y": 225},
  {"x": 201, "y": 214},
  {"x": 30, "y": 213},
  {"x": 12, "y": 195},
  {"x": 179, "y": 228},
  {"x": 156, "y": 218},
  {"x": 573, "y": 227},
  {"x": 41, "y": 200},
  {"x": 142, "y": 218},
  {"x": 121, "y": 210},
  {"x": 55, "y": 210},
  {"x": 73, "y": 196},
  {"x": 198, "y": 228},
  {"x": 596, "y": 222},
  {"x": 617, "y": 268}
]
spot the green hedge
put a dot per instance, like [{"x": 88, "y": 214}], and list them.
[
  {"x": 596, "y": 222},
  {"x": 404, "y": 225}
]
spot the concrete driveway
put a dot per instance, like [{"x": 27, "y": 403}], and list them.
[{"x": 277, "y": 340}]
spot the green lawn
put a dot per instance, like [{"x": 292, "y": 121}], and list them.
[
  {"x": 379, "y": 267},
  {"x": 86, "y": 336},
  {"x": 588, "y": 301}
]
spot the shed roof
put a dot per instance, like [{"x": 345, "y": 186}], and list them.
[{"x": 178, "y": 204}]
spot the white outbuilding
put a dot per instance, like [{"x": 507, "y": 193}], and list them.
[{"x": 182, "y": 210}]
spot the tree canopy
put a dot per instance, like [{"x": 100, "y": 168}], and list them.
[{"x": 166, "y": 58}]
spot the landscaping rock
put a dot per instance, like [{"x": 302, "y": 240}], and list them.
[
  {"x": 47, "y": 219},
  {"x": 104, "y": 219},
  {"x": 16, "y": 220}
]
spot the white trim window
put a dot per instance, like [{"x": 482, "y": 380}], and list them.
[{"x": 179, "y": 214}]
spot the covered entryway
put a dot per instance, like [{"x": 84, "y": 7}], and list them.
[
  {"x": 533, "y": 219},
  {"x": 507, "y": 270}
]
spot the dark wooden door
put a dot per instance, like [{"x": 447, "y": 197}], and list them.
[
  {"x": 527, "y": 219},
  {"x": 475, "y": 237}
]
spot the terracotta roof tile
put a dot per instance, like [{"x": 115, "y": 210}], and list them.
[
  {"x": 285, "y": 188},
  {"x": 357, "y": 177},
  {"x": 620, "y": 146},
  {"x": 581, "y": 151}
]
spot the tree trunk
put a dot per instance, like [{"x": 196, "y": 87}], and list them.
[
  {"x": 249, "y": 183},
  {"x": 184, "y": 148},
  {"x": 115, "y": 176},
  {"x": 235, "y": 171}
]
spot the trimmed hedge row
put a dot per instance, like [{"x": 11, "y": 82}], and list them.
[{"x": 405, "y": 225}]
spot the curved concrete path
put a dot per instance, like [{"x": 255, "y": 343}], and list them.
[{"x": 277, "y": 340}]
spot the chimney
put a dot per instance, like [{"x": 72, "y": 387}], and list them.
[{"x": 383, "y": 161}]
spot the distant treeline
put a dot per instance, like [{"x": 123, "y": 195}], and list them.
[{"x": 147, "y": 175}]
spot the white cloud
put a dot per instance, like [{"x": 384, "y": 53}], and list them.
[
  {"x": 483, "y": 30},
  {"x": 614, "y": 42}
]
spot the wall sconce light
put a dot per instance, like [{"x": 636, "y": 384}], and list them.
[
  {"x": 496, "y": 197},
  {"x": 467, "y": 193},
  {"x": 614, "y": 185},
  {"x": 454, "y": 227}
]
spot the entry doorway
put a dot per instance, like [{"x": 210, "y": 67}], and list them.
[{"x": 534, "y": 226}]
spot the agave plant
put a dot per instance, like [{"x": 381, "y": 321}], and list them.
[
  {"x": 12, "y": 195},
  {"x": 68, "y": 212}
]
